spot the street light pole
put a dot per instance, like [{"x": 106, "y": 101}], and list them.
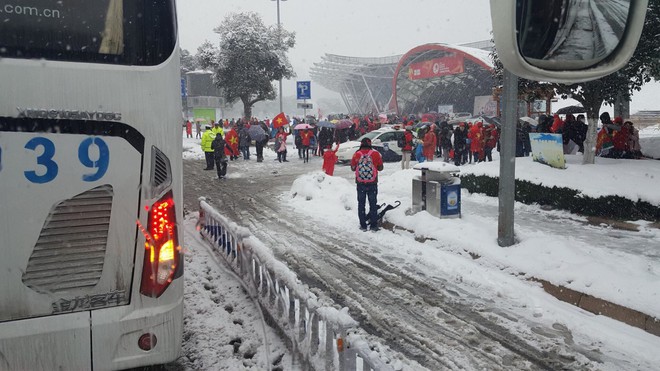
[{"x": 279, "y": 30}]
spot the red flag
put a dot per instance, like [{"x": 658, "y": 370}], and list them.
[{"x": 280, "y": 120}]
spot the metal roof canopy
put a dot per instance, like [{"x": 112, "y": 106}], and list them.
[{"x": 368, "y": 85}]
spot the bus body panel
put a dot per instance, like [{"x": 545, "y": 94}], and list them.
[
  {"x": 144, "y": 98},
  {"x": 32, "y": 269},
  {"x": 115, "y": 331},
  {"x": 43, "y": 344}
]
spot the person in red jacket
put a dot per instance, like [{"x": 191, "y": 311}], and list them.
[
  {"x": 476, "y": 136},
  {"x": 366, "y": 163},
  {"x": 490, "y": 141},
  {"x": 329, "y": 160},
  {"x": 620, "y": 139},
  {"x": 188, "y": 129},
  {"x": 406, "y": 150},
  {"x": 430, "y": 142},
  {"x": 306, "y": 140},
  {"x": 557, "y": 125}
]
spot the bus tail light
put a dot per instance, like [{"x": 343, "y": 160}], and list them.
[
  {"x": 162, "y": 256},
  {"x": 147, "y": 342}
]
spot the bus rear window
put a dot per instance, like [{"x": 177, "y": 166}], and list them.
[{"x": 130, "y": 32}]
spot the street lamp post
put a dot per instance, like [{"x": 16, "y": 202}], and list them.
[{"x": 279, "y": 29}]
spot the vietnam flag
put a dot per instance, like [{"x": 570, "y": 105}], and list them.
[{"x": 280, "y": 120}]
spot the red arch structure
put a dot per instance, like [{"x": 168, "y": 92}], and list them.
[{"x": 434, "y": 71}]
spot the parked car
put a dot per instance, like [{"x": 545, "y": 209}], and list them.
[
  {"x": 461, "y": 115},
  {"x": 384, "y": 140}
]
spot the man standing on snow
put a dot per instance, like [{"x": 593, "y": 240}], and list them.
[
  {"x": 207, "y": 139},
  {"x": 366, "y": 163}
]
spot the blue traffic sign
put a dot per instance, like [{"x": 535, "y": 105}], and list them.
[{"x": 304, "y": 89}]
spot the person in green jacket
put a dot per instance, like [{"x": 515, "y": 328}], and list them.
[
  {"x": 207, "y": 139},
  {"x": 217, "y": 128}
]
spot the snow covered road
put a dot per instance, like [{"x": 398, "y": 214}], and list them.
[{"x": 430, "y": 315}]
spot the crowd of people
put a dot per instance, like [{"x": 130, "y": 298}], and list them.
[
  {"x": 463, "y": 143},
  {"x": 459, "y": 142}
]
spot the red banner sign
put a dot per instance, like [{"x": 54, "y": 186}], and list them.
[{"x": 436, "y": 68}]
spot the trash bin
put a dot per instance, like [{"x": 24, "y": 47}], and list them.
[{"x": 437, "y": 190}]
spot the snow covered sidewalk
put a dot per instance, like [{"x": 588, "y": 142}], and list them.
[{"x": 621, "y": 267}]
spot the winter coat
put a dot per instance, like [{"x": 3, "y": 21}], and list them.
[
  {"x": 620, "y": 139},
  {"x": 571, "y": 130},
  {"x": 306, "y": 137},
  {"x": 430, "y": 142},
  {"x": 218, "y": 146},
  {"x": 460, "y": 135},
  {"x": 217, "y": 129},
  {"x": 280, "y": 142},
  {"x": 407, "y": 141},
  {"x": 329, "y": 161},
  {"x": 445, "y": 137},
  {"x": 207, "y": 139},
  {"x": 325, "y": 138},
  {"x": 243, "y": 137},
  {"x": 476, "y": 136},
  {"x": 557, "y": 125},
  {"x": 491, "y": 136}
]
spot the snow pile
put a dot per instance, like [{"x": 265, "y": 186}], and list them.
[
  {"x": 649, "y": 141},
  {"x": 565, "y": 260},
  {"x": 631, "y": 179}
]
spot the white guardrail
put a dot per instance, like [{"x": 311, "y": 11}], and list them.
[{"x": 320, "y": 336}]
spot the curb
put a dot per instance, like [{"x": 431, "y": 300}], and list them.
[
  {"x": 602, "y": 307},
  {"x": 581, "y": 300}
]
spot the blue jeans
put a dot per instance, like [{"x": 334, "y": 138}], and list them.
[
  {"x": 245, "y": 150},
  {"x": 369, "y": 190}
]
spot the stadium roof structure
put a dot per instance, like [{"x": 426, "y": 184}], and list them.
[
  {"x": 426, "y": 77},
  {"x": 365, "y": 84}
]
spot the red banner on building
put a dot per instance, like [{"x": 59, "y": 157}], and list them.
[{"x": 436, "y": 68}]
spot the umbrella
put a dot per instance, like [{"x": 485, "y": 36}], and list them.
[
  {"x": 571, "y": 109},
  {"x": 530, "y": 120},
  {"x": 325, "y": 124},
  {"x": 421, "y": 124},
  {"x": 200, "y": 119},
  {"x": 257, "y": 132},
  {"x": 492, "y": 120},
  {"x": 302, "y": 126},
  {"x": 344, "y": 124}
]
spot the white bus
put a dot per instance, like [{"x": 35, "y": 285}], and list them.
[{"x": 91, "y": 268}]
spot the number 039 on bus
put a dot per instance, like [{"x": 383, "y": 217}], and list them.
[{"x": 90, "y": 185}]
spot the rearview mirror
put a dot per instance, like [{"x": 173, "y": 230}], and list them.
[{"x": 566, "y": 40}]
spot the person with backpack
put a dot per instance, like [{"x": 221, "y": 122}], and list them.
[{"x": 366, "y": 163}]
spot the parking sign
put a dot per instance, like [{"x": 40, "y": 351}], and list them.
[{"x": 304, "y": 89}]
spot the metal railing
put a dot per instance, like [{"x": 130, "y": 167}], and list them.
[{"x": 320, "y": 336}]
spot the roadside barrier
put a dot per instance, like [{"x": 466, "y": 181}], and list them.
[{"x": 322, "y": 337}]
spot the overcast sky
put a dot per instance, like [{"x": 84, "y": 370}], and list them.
[{"x": 358, "y": 28}]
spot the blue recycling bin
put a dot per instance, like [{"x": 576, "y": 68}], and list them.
[
  {"x": 450, "y": 199},
  {"x": 437, "y": 190}
]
